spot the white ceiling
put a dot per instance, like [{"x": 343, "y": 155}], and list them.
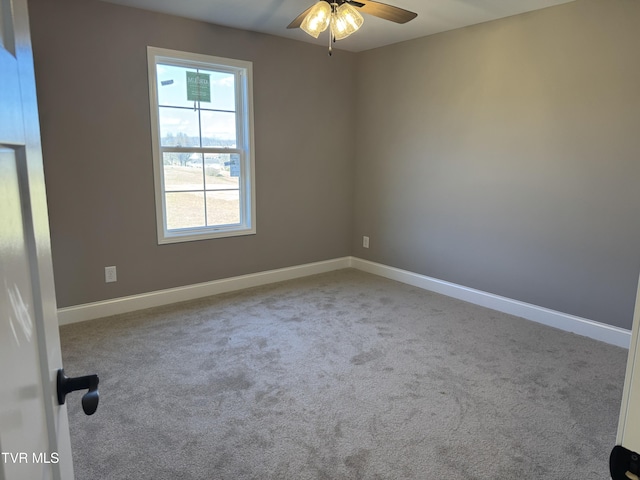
[{"x": 273, "y": 16}]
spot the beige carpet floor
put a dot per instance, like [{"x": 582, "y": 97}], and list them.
[{"x": 342, "y": 375}]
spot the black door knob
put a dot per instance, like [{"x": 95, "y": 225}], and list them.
[
  {"x": 623, "y": 463},
  {"x": 89, "y": 382}
]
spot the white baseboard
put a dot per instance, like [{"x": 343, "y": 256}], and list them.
[
  {"x": 581, "y": 326},
  {"x": 90, "y": 311},
  {"x": 570, "y": 323}
]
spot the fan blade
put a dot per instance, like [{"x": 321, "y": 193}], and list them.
[
  {"x": 298, "y": 21},
  {"x": 382, "y": 10}
]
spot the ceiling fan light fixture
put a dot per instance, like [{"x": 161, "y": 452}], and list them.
[
  {"x": 345, "y": 20},
  {"x": 318, "y": 19}
]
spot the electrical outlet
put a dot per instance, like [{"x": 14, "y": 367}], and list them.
[
  {"x": 365, "y": 242},
  {"x": 110, "y": 274}
]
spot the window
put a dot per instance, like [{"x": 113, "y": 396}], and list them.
[{"x": 202, "y": 133}]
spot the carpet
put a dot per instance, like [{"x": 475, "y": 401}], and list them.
[{"x": 343, "y": 375}]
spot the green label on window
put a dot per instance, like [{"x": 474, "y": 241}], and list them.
[{"x": 198, "y": 87}]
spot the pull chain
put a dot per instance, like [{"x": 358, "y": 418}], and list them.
[{"x": 334, "y": 8}]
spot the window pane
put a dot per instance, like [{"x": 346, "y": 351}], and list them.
[
  {"x": 222, "y": 171},
  {"x": 179, "y": 127},
  {"x": 184, "y": 210},
  {"x": 218, "y": 129},
  {"x": 223, "y": 208},
  {"x": 182, "y": 171},
  {"x": 172, "y": 86},
  {"x": 223, "y": 92}
]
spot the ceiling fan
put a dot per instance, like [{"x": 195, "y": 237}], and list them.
[{"x": 343, "y": 17}]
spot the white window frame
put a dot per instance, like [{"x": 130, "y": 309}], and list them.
[{"x": 245, "y": 145}]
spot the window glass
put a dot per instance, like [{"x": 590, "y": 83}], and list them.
[
  {"x": 179, "y": 127},
  {"x": 222, "y": 171},
  {"x": 185, "y": 210},
  {"x": 218, "y": 129}
]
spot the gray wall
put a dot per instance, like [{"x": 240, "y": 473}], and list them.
[
  {"x": 506, "y": 157},
  {"x": 503, "y": 156},
  {"x": 93, "y": 95}
]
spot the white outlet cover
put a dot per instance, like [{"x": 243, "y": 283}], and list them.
[{"x": 110, "y": 274}]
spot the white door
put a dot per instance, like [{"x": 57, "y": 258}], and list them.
[
  {"x": 34, "y": 433},
  {"x": 625, "y": 461}
]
